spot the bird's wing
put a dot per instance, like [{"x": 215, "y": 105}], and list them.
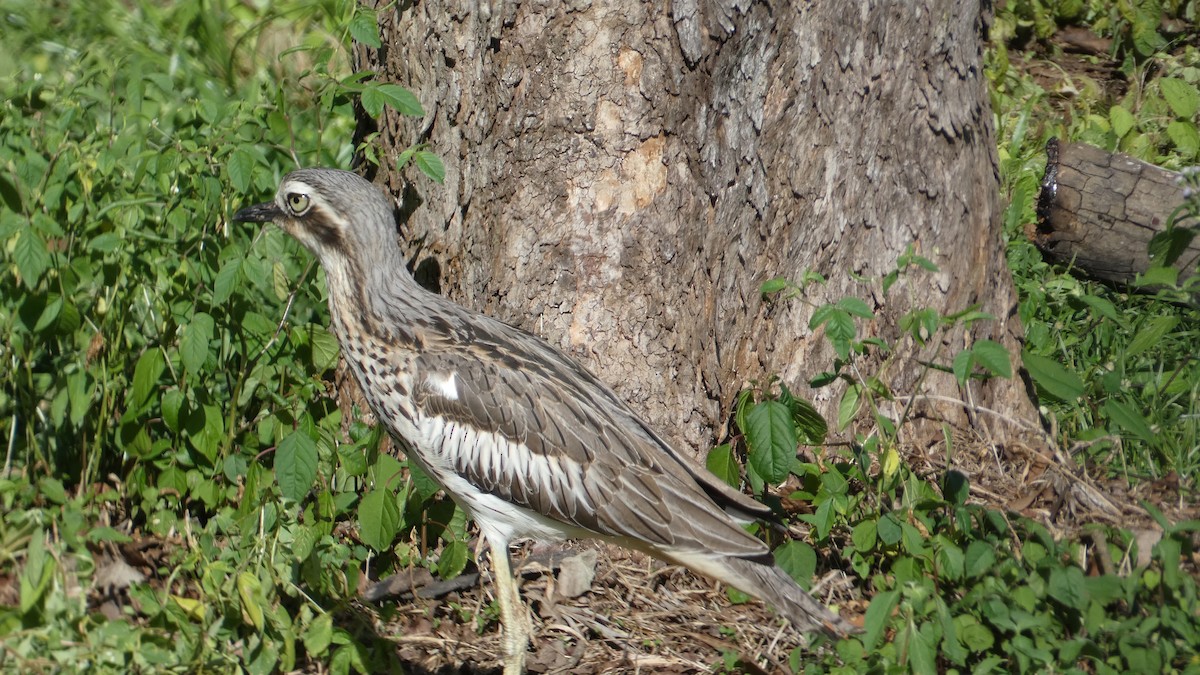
[
  {"x": 562, "y": 448},
  {"x": 523, "y": 350}
]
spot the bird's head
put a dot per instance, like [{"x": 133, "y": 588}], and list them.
[{"x": 339, "y": 216}]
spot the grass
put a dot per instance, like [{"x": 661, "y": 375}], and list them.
[
  {"x": 1135, "y": 413},
  {"x": 155, "y": 402}
]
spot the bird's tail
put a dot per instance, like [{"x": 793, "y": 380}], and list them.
[{"x": 767, "y": 582}]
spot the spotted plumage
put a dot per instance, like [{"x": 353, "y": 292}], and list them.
[{"x": 529, "y": 442}]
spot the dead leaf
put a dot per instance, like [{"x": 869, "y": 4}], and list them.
[{"x": 576, "y": 575}]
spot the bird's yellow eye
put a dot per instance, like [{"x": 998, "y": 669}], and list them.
[{"x": 297, "y": 202}]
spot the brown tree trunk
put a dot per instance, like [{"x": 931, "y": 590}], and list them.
[{"x": 622, "y": 177}]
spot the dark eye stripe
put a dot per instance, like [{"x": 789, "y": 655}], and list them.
[
  {"x": 314, "y": 216},
  {"x": 327, "y": 233}
]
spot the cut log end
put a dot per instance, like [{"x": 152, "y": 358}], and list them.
[{"x": 1097, "y": 212}]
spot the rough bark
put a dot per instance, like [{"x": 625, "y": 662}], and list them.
[
  {"x": 1097, "y": 211},
  {"x": 622, "y": 177}
]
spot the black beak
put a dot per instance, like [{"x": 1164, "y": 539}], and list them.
[{"x": 259, "y": 213}]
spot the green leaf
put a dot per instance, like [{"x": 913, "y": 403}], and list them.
[
  {"x": 376, "y": 96},
  {"x": 834, "y": 484},
  {"x": 296, "y": 464},
  {"x": 353, "y": 459},
  {"x": 430, "y": 165},
  {"x": 1068, "y": 587},
  {"x": 424, "y": 486},
  {"x": 856, "y": 307},
  {"x": 453, "y": 560},
  {"x": 150, "y": 366},
  {"x": 820, "y": 315},
  {"x": 53, "y": 490},
  {"x": 240, "y": 168},
  {"x": 811, "y": 427},
  {"x": 889, "y": 530},
  {"x": 799, "y": 560},
  {"x": 977, "y": 638},
  {"x": 1151, "y": 333},
  {"x": 964, "y": 363},
  {"x": 1157, "y": 276},
  {"x": 951, "y": 647},
  {"x": 1181, "y": 96},
  {"x": 1129, "y": 419},
  {"x": 212, "y": 431},
  {"x": 404, "y": 157},
  {"x": 921, "y": 324},
  {"x": 913, "y": 540},
  {"x": 193, "y": 348},
  {"x": 372, "y": 101},
  {"x": 923, "y": 262},
  {"x": 849, "y": 405},
  {"x": 36, "y": 573},
  {"x": 863, "y": 535},
  {"x": 49, "y": 314},
  {"x": 1185, "y": 137},
  {"x": 172, "y": 403},
  {"x": 324, "y": 348},
  {"x": 1121, "y": 119},
  {"x": 227, "y": 281},
  {"x": 876, "y": 619},
  {"x": 347, "y": 658},
  {"x": 1052, "y": 378},
  {"x": 280, "y": 281},
  {"x": 721, "y": 463},
  {"x": 319, "y": 635},
  {"x": 1102, "y": 306},
  {"x": 80, "y": 395},
  {"x": 10, "y": 195},
  {"x": 956, "y": 487},
  {"x": 31, "y": 256},
  {"x": 979, "y": 558},
  {"x": 364, "y": 27},
  {"x": 890, "y": 280},
  {"x": 99, "y": 535},
  {"x": 922, "y": 649},
  {"x": 389, "y": 473},
  {"x": 1146, "y": 40},
  {"x": 1166, "y": 246},
  {"x": 949, "y": 558},
  {"x": 378, "y": 518},
  {"x": 993, "y": 357},
  {"x": 840, "y": 330},
  {"x": 772, "y": 286},
  {"x": 105, "y": 243},
  {"x": 822, "y": 518},
  {"x": 771, "y": 438},
  {"x": 250, "y": 592},
  {"x": 304, "y": 540}
]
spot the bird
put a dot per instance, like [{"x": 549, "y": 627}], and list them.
[{"x": 526, "y": 440}]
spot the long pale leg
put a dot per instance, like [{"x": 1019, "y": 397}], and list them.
[{"x": 514, "y": 617}]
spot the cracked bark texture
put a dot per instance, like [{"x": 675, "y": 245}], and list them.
[
  {"x": 1098, "y": 211},
  {"x": 622, "y": 177}
]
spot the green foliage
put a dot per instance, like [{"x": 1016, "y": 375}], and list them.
[
  {"x": 957, "y": 586},
  {"x": 773, "y": 427},
  {"x": 770, "y": 445},
  {"x": 1155, "y": 118},
  {"x": 164, "y": 369},
  {"x": 1116, "y": 368}
]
